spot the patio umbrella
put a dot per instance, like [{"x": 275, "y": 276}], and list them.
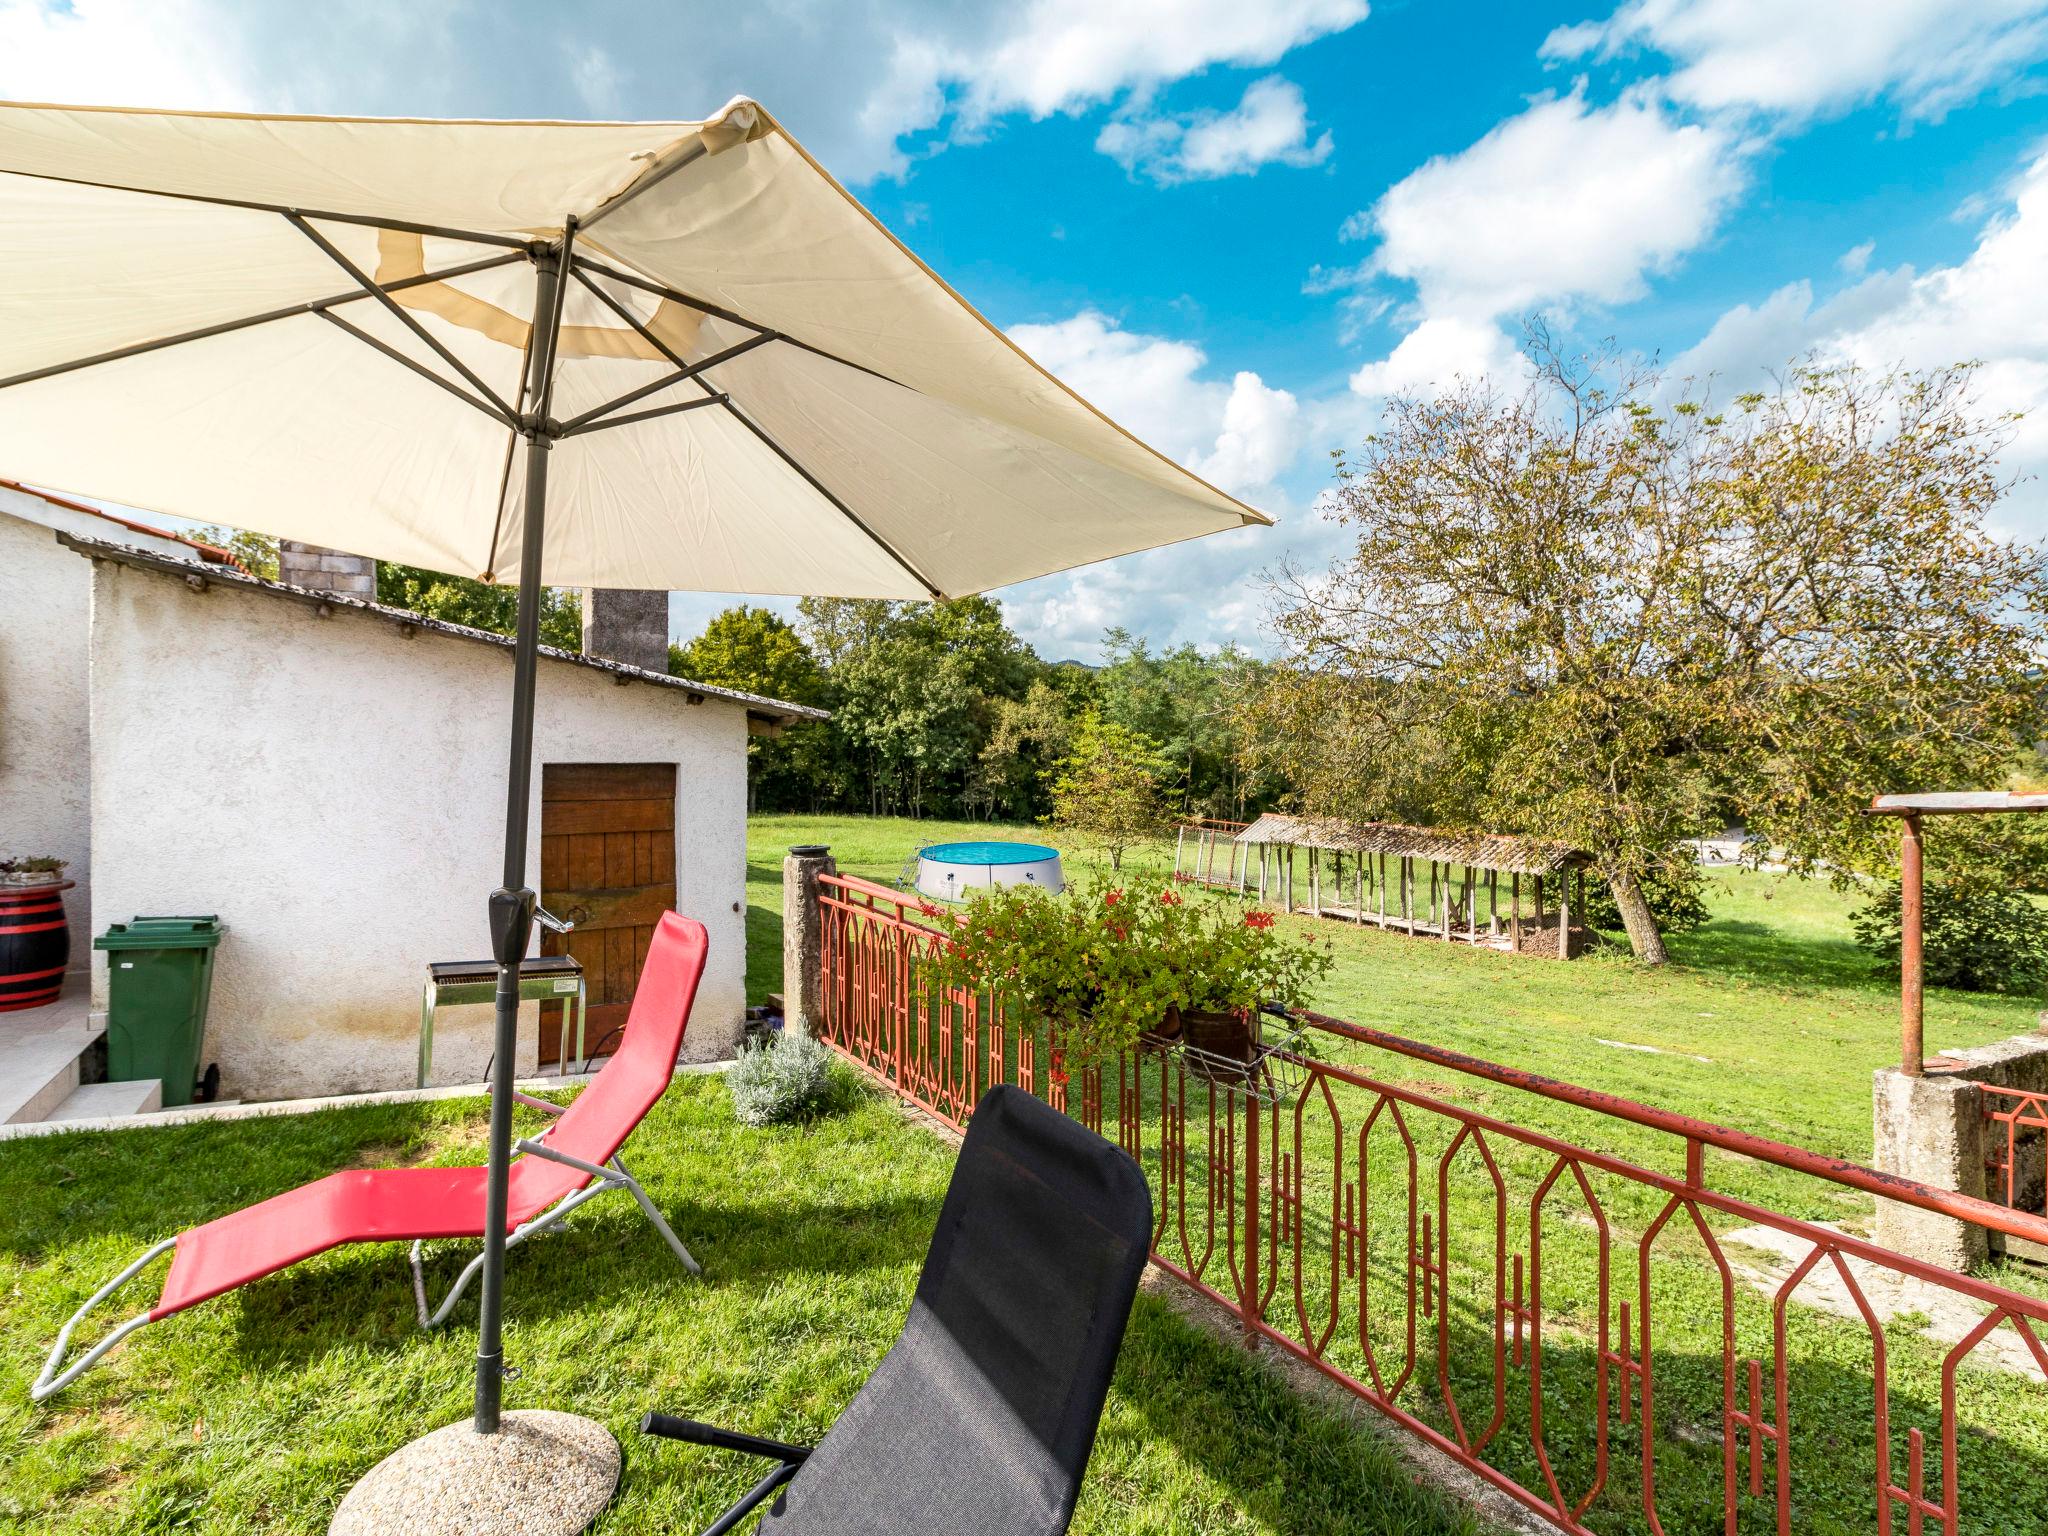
[{"x": 658, "y": 355}]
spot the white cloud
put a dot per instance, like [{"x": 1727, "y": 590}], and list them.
[
  {"x": 1243, "y": 435},
  {"x": 1856, "y": 260},
  {"x": 1440, "y": 352},
  {"x": 1560, "y": 202},
  {"x": 1063, "y": 55},
  {"x": 597, "y": 79},
  {"x": 144, "y": 53},
  {"x": 1817, "y": 56},
  {"x": 1559, "y": 205},
  {"x": 1268, "y": 126}
]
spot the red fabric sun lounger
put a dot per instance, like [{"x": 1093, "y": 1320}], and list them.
[{"x": 575, "y": 1159}]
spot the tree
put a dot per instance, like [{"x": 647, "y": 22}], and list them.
[
  {"x": 480, "y": 605},
  {"x": 755, "y": 651},
  {"x": 1613, "y": 622},
  {"x": 256, "y": 551},
  {"x": 1027, "y": 740},
  {"x": 1186, "y": 701},
  {"x": 1106, "y": 790},
  {"x": 914, "y": 689}
]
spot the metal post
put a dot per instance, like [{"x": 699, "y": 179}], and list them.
[
  {"x": 1912, "y": 1044},
  {"x": 512, "y": 904}
]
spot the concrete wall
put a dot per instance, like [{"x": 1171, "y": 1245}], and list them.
[
  {"x": 335, "y": 791},
  {"x": 1934, "y": 1129},
  {"x": 45, "y": 780}
]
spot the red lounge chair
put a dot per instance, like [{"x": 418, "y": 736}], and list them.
[{"x": 575, "y": 1160}]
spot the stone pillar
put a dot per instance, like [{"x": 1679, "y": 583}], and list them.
[
  {"x": 803, "y": 935},
  {"x": 628, "y": 625},
  {"x": 1930, "y": 1129},
  {"x": 326, "y": 570}
]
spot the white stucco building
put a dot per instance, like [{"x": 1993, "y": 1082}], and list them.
[
  {"x": 45, "y": 610},
  {"x": 328, "y": 776}
]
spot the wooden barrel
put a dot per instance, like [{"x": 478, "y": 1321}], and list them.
[{"x": 35, "y": 944}]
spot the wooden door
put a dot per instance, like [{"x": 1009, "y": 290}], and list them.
[{"x": 608, "y": 864}]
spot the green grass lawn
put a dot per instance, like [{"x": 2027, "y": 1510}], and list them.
[{"x": 256, "y": 1411}]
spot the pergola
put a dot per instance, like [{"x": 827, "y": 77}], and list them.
[{"x": 1385, "y": 878}]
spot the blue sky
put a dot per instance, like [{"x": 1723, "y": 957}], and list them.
[{"x": 1239, "y": 228}]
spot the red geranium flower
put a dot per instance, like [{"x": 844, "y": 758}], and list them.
[
  {"x": 1111, "y": 898},
  {"x": 1169, "y": 899},
  {"x": 1258, "y": 919}
]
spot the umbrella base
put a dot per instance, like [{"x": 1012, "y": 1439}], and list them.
[{"x": 542, "y": 1474}]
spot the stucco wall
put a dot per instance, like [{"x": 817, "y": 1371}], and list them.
[
  {"x": 335, "y": 791},
  {"x": 45, "y": 778}
]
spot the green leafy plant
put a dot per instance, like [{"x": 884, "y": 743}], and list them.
[
  {"x": 1102, "y": 963},
  {"x": 1975, "y": 935},
  {"x": 786, "y": 1078}
]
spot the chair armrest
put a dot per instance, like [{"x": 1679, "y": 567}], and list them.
[
  {"x": 532, "y": 1103},
  {"x": 669, "y": 1427}
]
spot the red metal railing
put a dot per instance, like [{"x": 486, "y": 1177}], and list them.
[
  {"x": 1363, "y": 1225},
  {"x": 2017, "y": 1180},
  {"x": 1200, "y": 843}
]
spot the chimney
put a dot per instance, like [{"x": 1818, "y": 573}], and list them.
[
  {"x": 628, "y": 625},
  {"x": 326, "y": 570}
]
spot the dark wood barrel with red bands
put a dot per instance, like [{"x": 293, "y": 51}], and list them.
[{"x": 35, "y": 944}]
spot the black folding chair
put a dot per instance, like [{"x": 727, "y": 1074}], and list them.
[{"x": 980, "y": 1419}]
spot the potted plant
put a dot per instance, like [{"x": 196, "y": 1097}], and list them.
[
  {"x": 35, "y": 934},
  {"x": 1110, "y": 967},
  {"x": 32, "y": 871}
]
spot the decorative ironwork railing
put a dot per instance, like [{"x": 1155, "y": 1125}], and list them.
[
  {"x": 1618, "y": 1345},
  {"x": 2017, "y": 1165},
  {"x": 1206, "y": 852}
]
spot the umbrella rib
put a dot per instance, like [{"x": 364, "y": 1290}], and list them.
[
  {"x": 371, "y": 221},
  {"x": 227, "y": 327},
  {"x": 740, "y": 416},
  {"x": 573, "y": 430},
  {"x": 398, "y": 311},
  {"x": 683, "y": 371},
  {"x": 419, "y": 368},
  {"x": 646, "y": 179},
  {"x": 662, "y": 291},
  {"x": 817, "y": 485}
]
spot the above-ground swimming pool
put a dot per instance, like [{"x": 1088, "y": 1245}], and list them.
[{"x": 950, "y": 870}]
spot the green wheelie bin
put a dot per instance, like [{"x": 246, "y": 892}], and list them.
[{"x": 159, "y": 977}]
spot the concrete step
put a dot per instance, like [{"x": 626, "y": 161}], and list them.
[
  {"x": 39, "y": 1052},
  {"x": 103, "y": 1101}
]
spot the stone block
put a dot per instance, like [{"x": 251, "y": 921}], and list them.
[
  {"x": 803, "y": 935},
  {"x": 1929, "y": 1129}
]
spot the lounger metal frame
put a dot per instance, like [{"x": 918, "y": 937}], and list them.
[{"x": 55, "y": 1375}]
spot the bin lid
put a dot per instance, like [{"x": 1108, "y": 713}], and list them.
[{"x": 196, "y": 932}]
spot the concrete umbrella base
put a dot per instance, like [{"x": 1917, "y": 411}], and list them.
[{"x": 542, "y": 1474}]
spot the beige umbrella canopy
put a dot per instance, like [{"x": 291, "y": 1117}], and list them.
[
  {"x": 759, "y": 388},
  {"x": 672, "y": 355}
]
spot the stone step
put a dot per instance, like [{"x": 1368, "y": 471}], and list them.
[
  {"x": 39, "y": 1052},
  {"x": 103, "y": 1101}
]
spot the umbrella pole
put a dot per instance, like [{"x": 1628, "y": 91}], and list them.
[
  {"x": 511, "y": 908},
  {"x": 512, "y": 904},
  {"x": 532, "y": 1472}
]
